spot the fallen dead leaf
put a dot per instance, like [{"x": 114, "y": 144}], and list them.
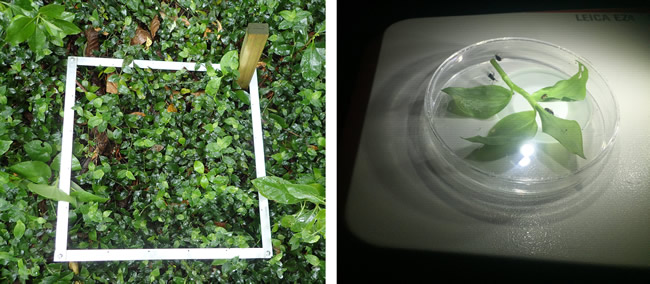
[
  {"x": 171, "y": 108},
  {"x": 147, "y": 44},
  {"x": 74, "y": 266},
  {"x": 92, "y": 42},
  {"x": 157, "y": 148},
  {"x": 111, "y": 87},
  {"x": 138, "y": 113},
  {"x": 140, "y": 37},
  {"x": 187, "y": 23},
  {"x": 154, "y": 26},
  {"x": 207, "y": 31}
]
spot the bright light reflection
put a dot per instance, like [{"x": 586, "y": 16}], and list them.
[
  {"x": 460, "y": 58},
  {"x": 526, "y": 150},
  {"x": 524, "y": 162},
  {"x": 520, "y": 191}
]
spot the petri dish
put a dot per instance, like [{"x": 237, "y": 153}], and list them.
[{"x": 538, "y": 168}]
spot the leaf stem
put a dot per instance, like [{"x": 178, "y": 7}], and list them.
[{"x": 514, "y": 87}]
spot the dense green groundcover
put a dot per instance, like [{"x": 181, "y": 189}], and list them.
[{"x": 168, "y": 155}]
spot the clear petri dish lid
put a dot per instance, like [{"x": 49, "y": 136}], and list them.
[{"x": 537, "y": 166}]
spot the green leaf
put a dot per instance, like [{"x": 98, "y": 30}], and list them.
[
  {"x": 98, "y": 174},
  {"x": 306, "y": 192},
  {"x": 210, "y": 70},
  {"x": 243, "y": 96},
  {"x": 144, "y": 143},
  {"x": 56, "y": 163},
  {"x": 213, "y": 86},
  {"x": 198, "y": 167},
  {"x": 492, "y": 152},
  {"x": 511, "y": 129},
  {"x": 572, "y": 89},
  {"x": 274, "y": 188},
  {"x": 282, "y": 191},
  {"x": 204, "y": 182},
  {"x": 51, "y": 192},
  {"x": 38, "y": 150},
  {"x": 129, "y": 175},
  {"x": 479, "y": 102},
  {"x": 20, "y": 29},
  {"x": 7, "y": 256},
  {"x": 279, "y": 120},
  {"x": 52, "y": 29},
  {"x": 85, "y": 196},
  {"x": 288, "y": 15},
  {"x": 4, "y": 146},
  {"x": 229, "y": 62},
  {"x": 37, "y": 40},
  {"x": 95, "y": 121},
  {"x": 35, "y": 171},
  {"x": 312, "y": 259},
  {"x": 565, "y": 131},
  {"x": 220, "y": 145},
  {"x": 123, "y": 89},
  {"x": 311, "y": 63},
  {"x": 67, "y": 27},
  {"x": 53, "y": 11},
  {"x": 19, "y": 229}
]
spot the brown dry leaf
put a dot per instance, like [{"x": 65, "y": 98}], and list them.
[
  {"x": 207, "y": 30},
  {"x": 261, "y": 64},
  {"x": 138, "y": 113},
  {"x": 111, "y": 87},
  {"x": 74, "y": 266},
  {"x": 154, "y": 26},
  {"x": 157, "y": 148},
  {"x": 140, "y": 37},
  {"x": 92, "y": 42},
  {"x": 219, "y": 29},
  {"x": 171, "y": 108},
  {"x": 187, "y": 23}
]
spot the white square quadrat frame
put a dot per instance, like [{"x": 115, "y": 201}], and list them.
[{"x": 61, "y": 251}]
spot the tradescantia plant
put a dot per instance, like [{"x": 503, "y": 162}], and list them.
[
  {"x": 39, "y": 27},
  {"x": 176, "y": 164},
  {"x": 486, "y": 101}
]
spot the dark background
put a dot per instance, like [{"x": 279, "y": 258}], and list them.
[{"x": 360, "y": 26}]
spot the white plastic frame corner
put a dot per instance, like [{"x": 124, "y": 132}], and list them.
[{"x": 61, "y": 251}]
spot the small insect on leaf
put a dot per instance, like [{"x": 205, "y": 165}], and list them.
[
  {"x": 497, "y": 57},
  {"x": 572, "y": 89},
  {"x": 491, "y": 76},
  {"x": 549, "y": 111}
]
